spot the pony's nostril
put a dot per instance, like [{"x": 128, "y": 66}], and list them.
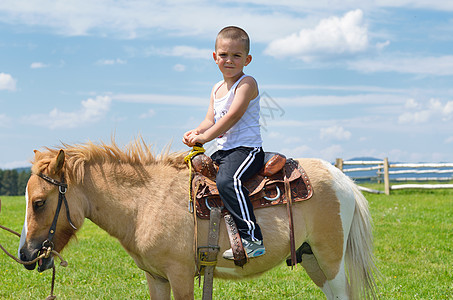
[
  {"x": 26, "y": 258},
  {"x": 22, "y": 256}
]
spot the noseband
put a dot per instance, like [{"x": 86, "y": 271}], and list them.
[{"x": 62, "y": 188}]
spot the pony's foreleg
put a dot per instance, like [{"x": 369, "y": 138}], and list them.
[
  {"x": 159, "y": 288},
  {"x": 181, "y": 279}
]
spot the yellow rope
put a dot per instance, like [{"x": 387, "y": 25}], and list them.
[
  {"x": 197, "y": 149},
  {"x": 188, "y": 159}
]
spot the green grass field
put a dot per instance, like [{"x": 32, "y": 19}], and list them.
[{"x": 413, "y": 232}]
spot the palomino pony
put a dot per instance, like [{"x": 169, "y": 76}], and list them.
[{"x": 142, "y": 200}]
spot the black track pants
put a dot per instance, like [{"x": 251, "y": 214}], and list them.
[{"x": 235, "y": 167}]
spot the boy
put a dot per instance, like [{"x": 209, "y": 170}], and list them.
[{"x": 233, "y": 120}]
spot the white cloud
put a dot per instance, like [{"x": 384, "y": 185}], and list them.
[
  {"x": 288, "y": 123},
  {"x": 161, "y": 99},
  {"x": 38, "y": 65},
  {"x": 407, "y": 63},
  {"x": 414, "y": 117},
  {"x": 332, "y": 152},
  {"x": 399, "y": 155},
  {"x": 5, "y": 121},
  {"x": 149, "y": 114},
  {"x": 179, "y": 68},
  {"x": 417, "y": 114},
  {"x": 331, "y": 37},
  {"x": 449, "y": 140},
  {"x": 447, "y": 110},
  {"x": 329, "y": 154},
  {"x": 111, "y": 62},
  {"x": 335, "y": 133},
  {"x": 381, "y": 45},
  {"x": 298, "y": 152},
  {"x": 182, "y": 51},
  {"x": 293, "y": 140},
  {"x": 265, "y": 19},
  {"x": 132, "y": 19},
  {"x": 329, "y": 5},
  {"x": 344, "y": 88},
  {"x": 411, "y": 104},
  {"x": 92, "y": 111},
  {"x": 274, "y": 134},
  {"x": 440, "y": 5},
  {"x": 7, "y": 82},
  {"x": 340, "y": 100}
]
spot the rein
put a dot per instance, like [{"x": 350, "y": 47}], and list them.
[{"x": 197, "y": 149}]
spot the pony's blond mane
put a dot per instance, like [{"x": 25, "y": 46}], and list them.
[{"x": 137, "y": 154}]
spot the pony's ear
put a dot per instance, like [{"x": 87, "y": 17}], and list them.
[{"x": 57, "y": 164}]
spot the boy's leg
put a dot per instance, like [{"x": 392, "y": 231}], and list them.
[{"x": 235, "y": 167}]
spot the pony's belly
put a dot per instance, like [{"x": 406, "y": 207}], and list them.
[
  {"x": 250, "y": 269},
  {"x": 230, "y": 273}
]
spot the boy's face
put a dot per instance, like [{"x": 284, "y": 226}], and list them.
[{"x": 230, "y": 57}]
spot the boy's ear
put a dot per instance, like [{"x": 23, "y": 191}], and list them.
[
  {"x": 214, "y": 55},
  {"x": 248, "y": 59}
]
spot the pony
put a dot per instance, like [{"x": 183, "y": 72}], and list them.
[{"x": 141, "y": 198}]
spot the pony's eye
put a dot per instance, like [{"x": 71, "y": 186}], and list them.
[{"x": 39, "y": 203}]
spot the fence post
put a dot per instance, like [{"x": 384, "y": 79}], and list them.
[
  {"x": 386, "y": 177},
  {"x": 339, "y": 164}
]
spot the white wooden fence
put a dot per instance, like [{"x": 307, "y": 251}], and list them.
[{"x": 383, "y": 172}]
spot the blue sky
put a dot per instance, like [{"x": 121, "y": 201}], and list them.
[{"x": 338, "y": 78}]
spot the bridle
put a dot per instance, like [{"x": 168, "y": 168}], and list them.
[
  {"x": 62, "y": 188},
  {"x": 47, "y": 246}
]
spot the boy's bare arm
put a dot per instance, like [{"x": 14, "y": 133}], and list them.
[{"x": 245, "y": 92}]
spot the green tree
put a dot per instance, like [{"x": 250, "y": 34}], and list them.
[
  {"x": 22, "y": 182},
  {"x": 9, "y": 183},
  {"x": 1, "y": 181}
]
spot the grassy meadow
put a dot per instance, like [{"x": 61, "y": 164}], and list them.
[{"x": 413, "y": 232}]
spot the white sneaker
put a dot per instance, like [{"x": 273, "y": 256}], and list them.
[{"x": 252, "y": 248}]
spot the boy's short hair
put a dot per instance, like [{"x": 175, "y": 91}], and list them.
[{"x": 234, "y": 33}]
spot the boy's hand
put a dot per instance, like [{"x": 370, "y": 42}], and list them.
[
  {"x": 185, "y": 137},
  {"x": 191, "y": 137}
]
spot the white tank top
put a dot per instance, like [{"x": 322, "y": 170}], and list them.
[{"x": 246, "y": 132}]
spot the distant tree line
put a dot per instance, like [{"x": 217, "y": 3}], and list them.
[{"x": 13, "y": 182}]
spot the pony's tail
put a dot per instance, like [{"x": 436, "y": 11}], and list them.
[{"x": 362, "y": 271}]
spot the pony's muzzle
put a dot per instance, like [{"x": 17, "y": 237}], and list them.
[
  {"x": 25, "y": 255},
  {"x": 28, "y": 255},
  {"x": 45, "y": 264}
]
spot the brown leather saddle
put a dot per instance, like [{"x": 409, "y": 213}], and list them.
[{"x": 267, "y": 188}]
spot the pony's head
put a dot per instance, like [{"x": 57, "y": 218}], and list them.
[
  {"x": 57, "y": 171},
  {"x": 48, "y": 223}
]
